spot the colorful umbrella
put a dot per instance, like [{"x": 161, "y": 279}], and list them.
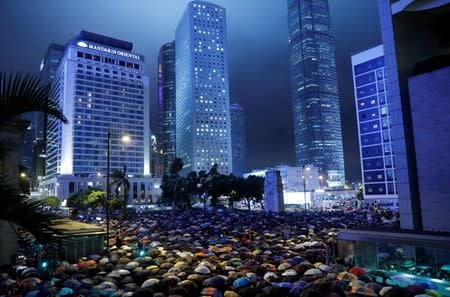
[
  {"x": 346, "y": 276},
  {"x": 364, "y": 291},
  {"x": 358, "y": 271}
]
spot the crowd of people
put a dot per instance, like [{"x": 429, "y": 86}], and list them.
[{"x": 215, "y": 253}]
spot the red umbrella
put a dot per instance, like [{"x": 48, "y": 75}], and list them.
[{"x": 358, "y": 271}]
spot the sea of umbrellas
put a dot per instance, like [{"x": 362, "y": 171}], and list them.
[{"x": 222, "y": 253}]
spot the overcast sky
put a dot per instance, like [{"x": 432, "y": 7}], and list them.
[{"x": 258, "y": 55}]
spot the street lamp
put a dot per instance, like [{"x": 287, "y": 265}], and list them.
[{"x": 125, "y": 138}]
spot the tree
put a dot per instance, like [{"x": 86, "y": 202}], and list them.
[
  {"x": 78, "y": 199},
  {"x": 18, "y": 95},
  {"x": 214, "y": 189},
  {"x": 117, "y": 204},
  {"x": 360, "y": 193},
  {"x": 172, "y": 184},
  {"x": 51, "y": 201},
  {"x": 122, "y": 183},
  {"x": 17, "y": 208},
  {"x": 95, "y": 199},
  {"x": 252, "y": 189},
  {"x": 203, "y": 189}
]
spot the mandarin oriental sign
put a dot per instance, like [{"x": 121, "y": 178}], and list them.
[{"x": 108, "y": 50}]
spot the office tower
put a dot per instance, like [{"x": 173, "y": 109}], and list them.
[
  {"x": 48, "y": 68},
  {"x": 202, "y": 105},
  {"x": 318, "y": 137},
  {"x": 374, "y": 129},
  {"x": 166, "y": 105},
  {"x": 417, "y": 71},
  {"x": 102, "y": 89},
  {"x": 238, "y": 139}
]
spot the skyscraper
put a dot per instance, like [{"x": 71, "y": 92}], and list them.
[
  {"x": 417, "y": 70},
  {"x": 101, "y": 88},
  {"x": 374, "y": 128},
  {"x": 166, "y": 105},
  {"x": 202, "y": 105},
  {"x": 238, "y": 139},
  {"x": 49, "y": 66},
  {"x": 318, "y": 137}
]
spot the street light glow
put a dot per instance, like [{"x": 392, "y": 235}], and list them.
[{"x": 126, "y": 138}]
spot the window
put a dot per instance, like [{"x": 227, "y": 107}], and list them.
[{"x": 80, "y": 55}]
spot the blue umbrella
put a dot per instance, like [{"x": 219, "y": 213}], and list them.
[
  {"x": 426, "y": 284},
  {"x": 65, "y": 291}
]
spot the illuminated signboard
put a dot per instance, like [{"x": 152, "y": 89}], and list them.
[{"x": 108, "y": 50}]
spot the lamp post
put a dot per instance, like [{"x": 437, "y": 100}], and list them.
[
  {"x": 108, "y": 192},
  {"x": 304, "y": 195},
  {"x": 125, "y": 138}
]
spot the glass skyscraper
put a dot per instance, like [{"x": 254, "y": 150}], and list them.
[
  {"x": 49, "y": 66},
  {"x": 202, "y": 104},
  {"x": 238, "y": 139},
  {"x": 318, "y": 137},
  {"x": 166, "y": 105},
  {"x": 101, "y": 86},
  {"x": 374, "y": 128}
]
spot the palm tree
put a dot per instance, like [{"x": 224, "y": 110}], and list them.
[
  {"x": 20, "y": 94},
  {"x": 120, "y": 179}
]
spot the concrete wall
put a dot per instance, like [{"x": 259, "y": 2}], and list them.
[{"x": 430, "y": 108}]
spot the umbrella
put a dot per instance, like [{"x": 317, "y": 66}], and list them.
[
  {"x": 376, "y": 287},
  {"x": 433, "y": 293},
  {"x": 131, "y": 265},
  {"x": 215, "y": 282},
  {"x": 357, "y": 283},
  {"x": 415, "y": 290},
  {"x": 202, "y": 270},
  {"x": 402, "y": 278},
  {"x": 426, "y": 284},
  {"x": 283, "y": 266},
  {"x": 364, "y": 291},
  {"x": 313, "y": 271},
  {"x": 71, "y": 283},
  {"x": 445, "y": 267},
  {"x": 65, "y": 291},
  {"x": 358, "y": 271},
  {"x": 32, "y": 293},
  {"x": 384, "y": 290},
  {"x": 336, "y": 268},
  {"x": 289, "y": 272},
  {"x": 241, "y": 282},
  {"x": 150, "y": 283},
  {"x": 346, "y": 276}
]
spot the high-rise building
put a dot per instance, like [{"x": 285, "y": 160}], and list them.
[
  {"x": 374, "y": 129},
  {"x": 49, "y": 66},
  {"x": 166, "y": 105},
  {"x": 318, "y": 137},
  {"x": 102, "y": 90},
  {"x": 202, "y": 105},
  {"x": 417, "y": 70},
  {"x": 238, "y": 139}
]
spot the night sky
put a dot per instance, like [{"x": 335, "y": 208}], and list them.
[{"x": 257, "y": 49}]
